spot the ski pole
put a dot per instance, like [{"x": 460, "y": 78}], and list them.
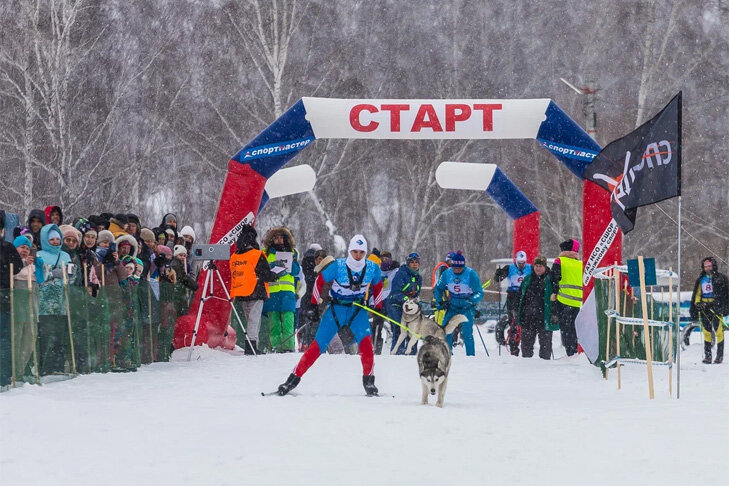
[
  {"x": 385, "y": 317},
  {"x": 482, "y": 341},
  {"x": 290, "y": 336}
]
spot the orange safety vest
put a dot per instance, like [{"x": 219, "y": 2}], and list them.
[{"x": 243, "y": 278}]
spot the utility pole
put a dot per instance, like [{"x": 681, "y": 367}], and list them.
[{"x": 589, "y": 97}]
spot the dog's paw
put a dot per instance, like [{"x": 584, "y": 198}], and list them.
[{"x": 439, "y": 404}]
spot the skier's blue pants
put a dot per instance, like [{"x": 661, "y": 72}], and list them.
[
  {"x": 360, "y": 325},
  {"x": 466, "y": 329}
]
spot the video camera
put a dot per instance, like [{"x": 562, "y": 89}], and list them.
[{"x": 210, "y": 252}]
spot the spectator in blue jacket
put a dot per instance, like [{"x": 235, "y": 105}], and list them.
[{"x": 406, "y": 284}]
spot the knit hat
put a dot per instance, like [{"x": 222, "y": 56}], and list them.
[
  {"x": 358, "y": 242},
  {"x": 458, "y": 260},
  {"x": 180, "y": 250},
  {"x": 105, "y": 236},
  {"x": 520, "y": 257},
  {"x": 540, "y": 260},
  {"x": 164, "y": 250},
  {"x": 147, "y": 235},
  {"x": 22, "y": 240},
  {"x": 68, "y": 230},
  {"x": 570, "y": 245},
  {"x": 188, "y": 231},
  {"x": 54, "y": 234},
  {"x": 313, "y": 246}
]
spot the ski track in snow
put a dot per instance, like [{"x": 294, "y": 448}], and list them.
[{"x": 505, "y": 421}]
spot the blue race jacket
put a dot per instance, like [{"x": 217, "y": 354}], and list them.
[{"x": 464, "y": 290}]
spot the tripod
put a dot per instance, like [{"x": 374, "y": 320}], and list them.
[{"x": 210, "y": 267}]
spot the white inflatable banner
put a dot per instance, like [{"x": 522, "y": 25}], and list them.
[
  {"x": 463, "y": 175},
  {"x": 425, "y": 119},
  {"x": 292, "y": 180}
]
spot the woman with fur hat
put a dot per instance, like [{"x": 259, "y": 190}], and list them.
[
  {"x": 281, "y": 305},
  {"x": 250, "y": 275}
]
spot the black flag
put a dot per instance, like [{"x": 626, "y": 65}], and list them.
[{"x": 643, "y": 167}]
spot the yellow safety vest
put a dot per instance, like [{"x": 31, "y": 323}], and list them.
[
  {"x": 282, "y": 284},
  {"x": 570, "y": 285}
]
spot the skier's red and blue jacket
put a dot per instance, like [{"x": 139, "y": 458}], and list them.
[{"x": 342, "y": 291}]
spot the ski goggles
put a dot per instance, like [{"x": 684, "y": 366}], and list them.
[{"x": 413, "y": 257}]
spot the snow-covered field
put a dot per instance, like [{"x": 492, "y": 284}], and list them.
[{"x": 505, "y": 421}]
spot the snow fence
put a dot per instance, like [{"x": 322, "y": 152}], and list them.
[{"x": 118, "y": 329}]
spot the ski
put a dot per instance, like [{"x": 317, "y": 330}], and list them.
[{"x": 275, "y": 393}]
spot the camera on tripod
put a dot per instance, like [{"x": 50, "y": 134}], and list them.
[{"x": 210, "y": 252}]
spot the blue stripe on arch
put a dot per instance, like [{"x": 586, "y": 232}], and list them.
[
  {"x": 509, "y": 197},
  {"x": 567, "y": 141},
  {"x": 280, "y": 142}
]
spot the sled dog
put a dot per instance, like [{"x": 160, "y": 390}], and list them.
[
  {"x": 434, "y": 362},
  {"x": 413, "y": 319}
]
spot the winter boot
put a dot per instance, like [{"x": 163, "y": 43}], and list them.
[
  {"x": 369, "y": 385},
  {"x": 707, "y": 352},
  {"x": 252, "y": 347},
  {"x": 719, "y": 353},
  {"x": 290, "y": 384}
]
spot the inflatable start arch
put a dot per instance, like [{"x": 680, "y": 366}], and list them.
[{"x": 311, "y": 118}]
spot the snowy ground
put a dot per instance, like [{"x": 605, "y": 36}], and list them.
[{"x": 505, "y": 421}]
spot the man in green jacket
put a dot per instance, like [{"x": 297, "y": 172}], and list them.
[{"x": 535, "y": 308}]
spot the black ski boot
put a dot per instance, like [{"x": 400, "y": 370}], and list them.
[
  {"x": 719, "y": 353},
  {"x": 369, "y": 385},
  {"x": 707, "y": 353},
  {"x": 251, "y": 347},
  {"x": 290, "y": 384}
]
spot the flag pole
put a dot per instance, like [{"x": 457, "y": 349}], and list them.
[
  {"x": 678, "y": 309},
  {"x": 678, "y": 285}
]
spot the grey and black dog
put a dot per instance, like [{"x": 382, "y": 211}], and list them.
[
  {"x": 418, "y": 324},
  {"x": 434, "y": 361}
]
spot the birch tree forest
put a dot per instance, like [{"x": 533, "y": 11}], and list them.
[{"x": 137, "y": 106}]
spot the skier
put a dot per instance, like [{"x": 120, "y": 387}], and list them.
[
  {"x": 515, "y": 272},
  {"x": 464, "y": 294},
  {"x": 351, "y": 279},
  {"x": 709, "y": 305},
  {"x": 567, "y": 292},
  {"x": 438, "y": 270},
  {"x": 405, "y": 285}
]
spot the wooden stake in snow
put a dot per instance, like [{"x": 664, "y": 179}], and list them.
[{"x": 646, "y": 331}]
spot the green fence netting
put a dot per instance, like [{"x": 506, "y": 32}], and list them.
[
  {"x": 117, "y": 329},
  {"x": 632, "y": 337}
]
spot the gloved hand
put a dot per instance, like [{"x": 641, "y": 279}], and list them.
[
  {"x": 477, "y": 314},
  {"x": 57, "y": 273},
  {"x": 442, "y": 305},
  {"x": 701, "y": 306},
  {"x": 553, "y": 319}
]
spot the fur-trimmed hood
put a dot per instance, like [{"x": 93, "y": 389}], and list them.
[
  {"x": 280, "y": 230},
  {"x": 129, "y": 239},
  {"x": 328, "y": 260}
]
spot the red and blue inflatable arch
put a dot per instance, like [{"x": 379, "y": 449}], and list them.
[{"x": 313, "y": 118}]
